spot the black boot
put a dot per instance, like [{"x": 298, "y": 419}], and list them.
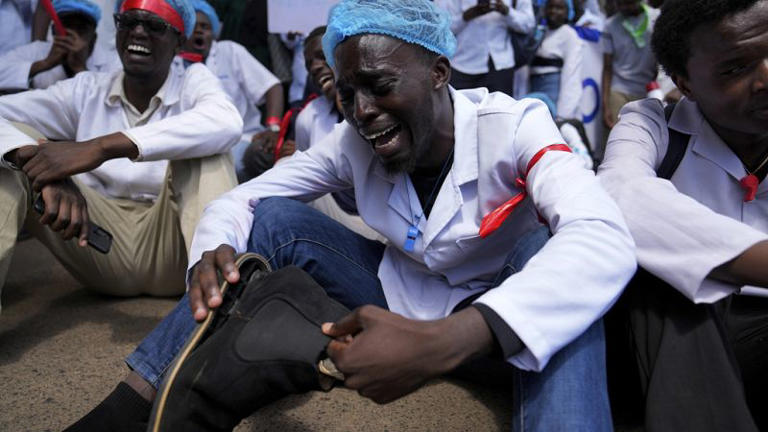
[{"x": 262, "y": 344}]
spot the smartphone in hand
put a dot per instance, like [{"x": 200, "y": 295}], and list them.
[{"x": 98, "y": 238}]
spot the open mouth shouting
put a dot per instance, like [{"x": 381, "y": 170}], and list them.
[
  {"x": 198, "y": 44},
  {"x": 386, "y": 141},
  {"x": 137, "y": 50}
]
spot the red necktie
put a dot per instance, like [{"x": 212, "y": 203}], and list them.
[{"x": 191, "y": 56}]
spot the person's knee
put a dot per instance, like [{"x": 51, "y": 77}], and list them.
[
  {"x": 276, "y": 220},
  {"x": 281, "y": 213}
]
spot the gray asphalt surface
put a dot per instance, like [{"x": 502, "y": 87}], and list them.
[{"x": 61, "y": 351}]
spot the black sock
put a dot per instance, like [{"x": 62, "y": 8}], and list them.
[{"x": 124, "y": 410}]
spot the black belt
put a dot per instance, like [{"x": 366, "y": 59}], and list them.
[{"x": 541, "y": 61}]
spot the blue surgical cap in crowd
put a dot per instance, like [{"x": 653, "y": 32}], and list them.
[
  {"x": 182, "y": 7},
  {"x": 571, "y": 13},
  {"x": 568, "y": 4},
  {"x": 85, "y": 7},
  {"x": 205, "y": 8},
  {"x": 418, "y": 22}
]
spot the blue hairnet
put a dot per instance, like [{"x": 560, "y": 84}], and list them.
[
  {"x": 569, "y": 5},
  {"x": 547, "y": 101},
  {"x": 205, "y": 8},
  {"x": 418, "y": 22},
  {"x": 571, "y": 13},
  {"x": 182, "y": 7},
  {"x": 84, "y": 7}
]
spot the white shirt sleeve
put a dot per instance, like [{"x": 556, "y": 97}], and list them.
[
  {"x": 586, "y": 263},
  {"x": 305, "y": 176},
  {"x": 15, "y": 64},
  {"x": 209, "y": 124},
  {"x": 52, "y": 112},
  {"x": 255, "y": 79},
  {"x": 289, "y": 43},
  {"x": 569, "y": 99},
  {"x": 521, "y": 18},
  {"x": 457, "y": 14},
  {"x": 678, "y": 239}
]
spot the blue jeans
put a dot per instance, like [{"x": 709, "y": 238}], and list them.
[
  {"x": 570, "y": 394},
  {"x": 548, "y": 84}
]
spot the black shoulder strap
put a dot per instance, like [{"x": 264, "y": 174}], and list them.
[{"x": 678, "y": 142}]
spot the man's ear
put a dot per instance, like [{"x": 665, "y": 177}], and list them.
[
  {"x": 441, "y": 72},
  {"x": 683, "y": 85}
]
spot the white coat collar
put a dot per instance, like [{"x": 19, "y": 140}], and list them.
[
  {"x": 449, "y": 200},
  {"x": 168, "y": 94},
  {"x": 705, "y": 142}
]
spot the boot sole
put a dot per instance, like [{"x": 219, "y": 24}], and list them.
[{"x": 192, "y": 342}]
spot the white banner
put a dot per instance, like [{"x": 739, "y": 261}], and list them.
[
  {"x": 301, "y": 16},
  {"x": 591, "y": 109}
]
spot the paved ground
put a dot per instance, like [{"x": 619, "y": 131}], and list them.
[{"x": 61, "y": 351}]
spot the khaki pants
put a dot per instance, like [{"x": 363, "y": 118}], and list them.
[
  {"x": 151, "y": 240},
  {"x": 617, "y": 100}
]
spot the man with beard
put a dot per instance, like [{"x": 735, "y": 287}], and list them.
[
  {"x": 691, "y": 184},
  {"x": 244, "y": 79},
  {"x": 316, "y": 121},
  {"x": 427, "y": 163},
  {"x": 139, "y": 151}
]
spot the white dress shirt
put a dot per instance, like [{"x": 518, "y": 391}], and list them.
[
  {"x": 486, "y": 35},
  {"x": 15, "y": 23},
  {"x": 686, "y": 227},
  {"x": 15, "y": 65},
  {"x": 244, "y": 79},
  {"x": 192, "y": 118},
  {"x": 563, "y": 43},
  {"x": 591, "y": 20},
  {"x": 298, "y": 68},
  {"x": 569, "y": 284},
  {"x": 315, "y": 122},
  {"x": 106, "y": 26}
]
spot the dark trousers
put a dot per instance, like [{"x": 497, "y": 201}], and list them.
[
  {"x": 495, "y": 80},
  {"x": 695, "y": 367}
]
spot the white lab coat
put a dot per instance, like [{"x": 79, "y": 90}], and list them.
[
  {"x": 686, "y": 227},
  {"x": 570, "y": 283},
  {"x": 563, "y": 43},
  {"x": 195, "y": 119},
  {"x": 243, "y": 78},
  {"x": 486, "y": 35},
  {"x": 15, "y": 65}
]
